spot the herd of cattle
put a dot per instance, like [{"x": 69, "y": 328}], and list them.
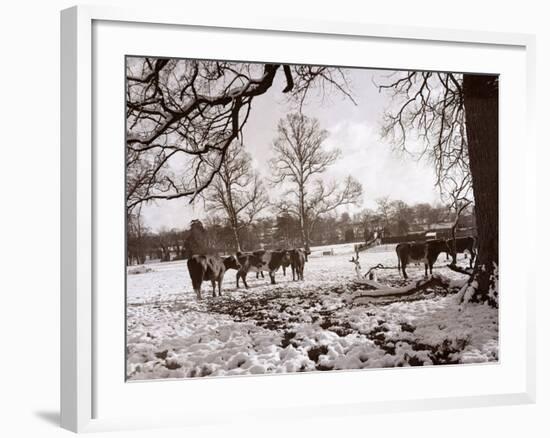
[{"x": 213, "y": 268}]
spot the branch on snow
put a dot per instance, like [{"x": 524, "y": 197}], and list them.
[
  {"x": 383, "y": 291},
  {"x": 377, "y": 290}
]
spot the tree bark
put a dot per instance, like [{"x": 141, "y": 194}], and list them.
[
  {"x": 303, "y": 217},
  {"x": 233, "y": 216},
  {"x": 236, "y": 237},
  {"x": 481, "y": 109}
]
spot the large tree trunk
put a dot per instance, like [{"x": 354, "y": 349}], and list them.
[
  {"x": 481, "y": 108},
  {"x": 233, "y": 219},
  {"x": 305, "y": 234},
  {"x": 236, "y": 237},
  {"x": 304, "y": 219}
]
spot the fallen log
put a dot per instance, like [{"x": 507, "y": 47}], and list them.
[{"x": 380, "y": 290}]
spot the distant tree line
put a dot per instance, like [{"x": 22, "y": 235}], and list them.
[
  {"x": 216, "y": 234},
  {"x": 397, "y": 218}
]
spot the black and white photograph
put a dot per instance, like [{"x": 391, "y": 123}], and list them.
[{"x": 288, "y": 218}]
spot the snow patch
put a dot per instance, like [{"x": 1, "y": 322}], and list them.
[{"x": 297, "y": 326}]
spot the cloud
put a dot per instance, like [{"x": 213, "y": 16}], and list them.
[
  {"x": 175, "y": 213},
  {"x": 382, "y": 171}
]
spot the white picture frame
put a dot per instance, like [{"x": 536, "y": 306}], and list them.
[{"x": 81, "y": 365}]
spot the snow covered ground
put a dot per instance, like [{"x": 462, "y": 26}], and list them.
[{"x": 299, "y": 326}]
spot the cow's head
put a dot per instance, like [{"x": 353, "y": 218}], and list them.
[{"x": 231, "y": 262}]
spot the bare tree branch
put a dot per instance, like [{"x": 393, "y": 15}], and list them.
[
  {"x": 299, "y": 156},
  {"x": 236, "y": 191},
  {"x": 189, "y": 112},
  {"x": 429, "y": 105}
]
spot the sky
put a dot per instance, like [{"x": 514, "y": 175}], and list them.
[{"x": 354, "y": 129}]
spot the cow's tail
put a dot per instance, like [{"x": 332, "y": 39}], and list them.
[
  {"x": 197, "y": 281},
  {"x": 196, "y": 273}
]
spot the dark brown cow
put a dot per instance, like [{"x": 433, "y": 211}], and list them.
[
  {"x": 463, "y": 244},
  {"x": 258, "y": 261},
  {"x": 305, "y": 253},
  {"x": 209, "y": 268},
  {"x": 298, "y": 259},
  {"x": 286, "y": 263},
  {"x": 419, "y": 252}
]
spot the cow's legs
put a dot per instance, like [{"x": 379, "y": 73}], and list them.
[
  {"x": 272, "y": 277},
  {"x": 293, "y": 273},
  {"x": 220, "y": 281},
  {"x": 213, "y": 287},
  {"x": 197, "y": 280},
  {"x": 243, "y": 276},
  {"x": 198, "y": 292},
  {"x": 237, "y": 278},
  {"x": 403, "y": 265},
  {"x": 430, "y": 265}
]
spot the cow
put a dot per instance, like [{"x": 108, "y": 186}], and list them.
[
  {"x": 419, "y": 252},
  {"x": 210, "y": 268},
  {"x": 258, "y": 261},
  {"x": 463, "y": 244},
  {"x": 250, "y": 262},
  {"x": 285, "y": 263},
  {"x": 298, "y": 258},
  {"x": 259, "y": 253}
]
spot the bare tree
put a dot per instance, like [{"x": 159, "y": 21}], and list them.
[
  {"x": 299, "y": 158},
  {"x": 136, "y": 233},
  {"x": 188, "y": 112},
  {"x": 455, "y": 116},
  {"x": 402, "y": 216},
  {"x": 430, "y": 108},
  {"x": 384, "y": 209},
  {"x": 237, "y": 191}
]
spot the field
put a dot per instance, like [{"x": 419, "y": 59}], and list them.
[{"x": 297, "y": 326}]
